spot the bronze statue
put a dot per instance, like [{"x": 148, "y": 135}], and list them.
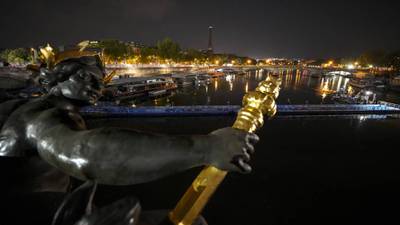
[{"x": 52, "y": 135}]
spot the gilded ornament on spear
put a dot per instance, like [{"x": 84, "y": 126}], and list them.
[{"x": 256, "y": 104}]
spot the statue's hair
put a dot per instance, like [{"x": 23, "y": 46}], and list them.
[{"x": 63, "y": 70}]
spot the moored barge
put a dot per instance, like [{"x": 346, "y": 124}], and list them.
[{"x": 133, "y": 87}]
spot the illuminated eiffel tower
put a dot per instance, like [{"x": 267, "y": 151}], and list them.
[{"x": 210, "y": 49}]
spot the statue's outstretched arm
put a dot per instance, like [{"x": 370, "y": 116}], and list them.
[{"x": 122, "y": 157}]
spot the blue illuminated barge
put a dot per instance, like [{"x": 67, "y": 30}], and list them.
[{"x": 104, "y": 110}]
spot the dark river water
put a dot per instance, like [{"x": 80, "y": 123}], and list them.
[
  {"x": 314, "y": 170},
  {"x": 305, "y": 171}
]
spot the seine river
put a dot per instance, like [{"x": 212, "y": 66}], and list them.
[
  {"x": 298, "y": 87},
  {"x": 305, "y": 171},
  {"x": 314, "y": 170}
]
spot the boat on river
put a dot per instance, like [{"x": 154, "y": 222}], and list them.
[
  {"x": 203, "y": 79},
  {"x": 360, "y": 83},
  {"x": 231, "y": 71},
  {"x": 184, "y": 80},
  {"x": 216, "y": 74},
  {"x": 394, "y": 83},
  {"x": 338, "y": 73},
  {"x": 133, "y": 87},
  {"x": 370, "y": 83},
  {"x": 364, "y": 96}
]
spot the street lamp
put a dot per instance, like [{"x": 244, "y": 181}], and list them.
[{"x": 350, "y": 66}]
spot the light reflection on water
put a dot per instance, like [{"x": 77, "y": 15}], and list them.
[
  {"x": 146, "y": 72},
  {"x": 298, "y": 87}
]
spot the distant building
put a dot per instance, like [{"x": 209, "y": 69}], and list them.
[
  {"x": 136, "y": 46},
  {"x": 277, "y": 62}
]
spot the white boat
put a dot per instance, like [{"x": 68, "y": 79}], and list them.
[
  {"x": 338, "y": 73},
  {"x": 157, "y": 93}
]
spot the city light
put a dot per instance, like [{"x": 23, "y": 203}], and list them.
[
  {"x": 350, "y": 90},
  {"x": 48, "y": 48},
  {"x": 229, "y": 78},
  {"x": 162, "y": 91}
]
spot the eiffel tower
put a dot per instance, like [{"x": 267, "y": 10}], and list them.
[{"x": 210, "y": 49}]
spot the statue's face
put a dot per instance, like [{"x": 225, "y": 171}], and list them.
[{"x": 84, "y": 85}]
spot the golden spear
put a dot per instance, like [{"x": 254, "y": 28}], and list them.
[{"x": 256, "y": 104}]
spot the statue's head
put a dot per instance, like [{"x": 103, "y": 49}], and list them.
[{"x": 77, "y": 79}]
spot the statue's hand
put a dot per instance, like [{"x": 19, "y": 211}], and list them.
[{"x": 231, "y": 149}]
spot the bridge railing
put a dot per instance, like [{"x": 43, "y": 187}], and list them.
[{"x": 210, "y": 110}]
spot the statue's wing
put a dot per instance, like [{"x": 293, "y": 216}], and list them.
[
  {"x": 122, "y": 212},
  {"x": 75, "y": 205},
  {"x": 76, "y": 209}
]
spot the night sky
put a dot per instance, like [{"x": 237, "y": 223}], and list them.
[{"x": 258, "y": 28}]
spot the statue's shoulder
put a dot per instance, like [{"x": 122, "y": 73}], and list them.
[{"x": 15, "y": 115}]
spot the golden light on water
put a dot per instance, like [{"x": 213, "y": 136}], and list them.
[
  {"x": 216, "y": 84},
  {"x": 321, "y": 85},
  {"x": 350, "y": 90},
  {"x": 331, "y": 85},
  {"x": 325, "y": 86},
  {"x": 298, "y": 78}
]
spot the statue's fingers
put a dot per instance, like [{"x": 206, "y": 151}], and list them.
[
  {"x": 245, "y": 156},
  {"x": 240, "y": 163},
  {"x": 252, "y": 138},
  {"x": 249, "y": 148},
  {"x": 244, "y": 167}
]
